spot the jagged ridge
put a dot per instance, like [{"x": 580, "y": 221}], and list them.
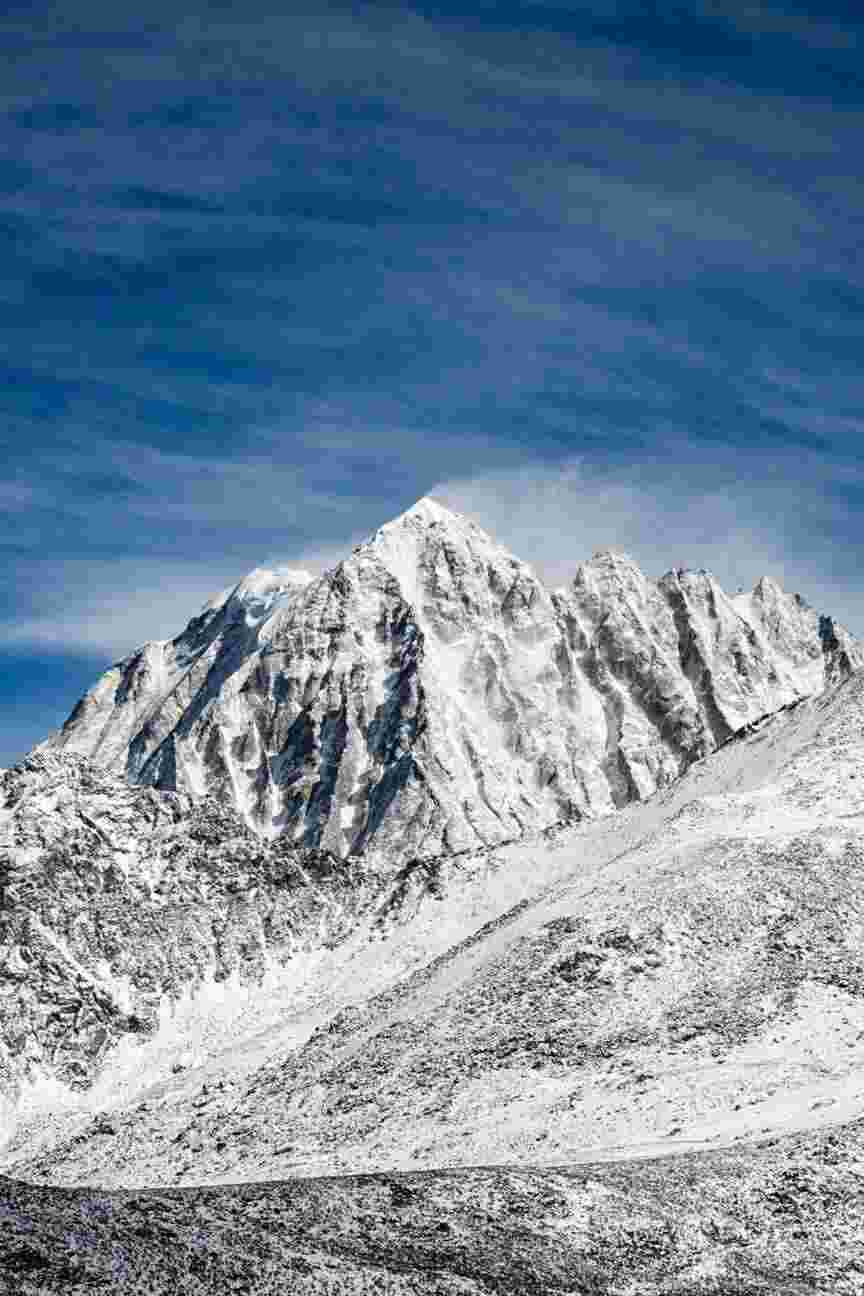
[{"x": 430, "y": 694}]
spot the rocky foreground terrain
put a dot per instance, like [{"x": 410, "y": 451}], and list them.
[
  {"x": 615, "y": 1044},
  {"x": 781, "y": 1218}
]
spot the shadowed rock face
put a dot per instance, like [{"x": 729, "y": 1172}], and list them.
[
  {"x": 430, "y": 695},
  {"x": 119, "y": 903}
]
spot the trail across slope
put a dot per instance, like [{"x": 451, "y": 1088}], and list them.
[{"x": 783, "y": 1216}]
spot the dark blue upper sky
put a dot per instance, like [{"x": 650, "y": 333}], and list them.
[{"x": 591, "y": 271}]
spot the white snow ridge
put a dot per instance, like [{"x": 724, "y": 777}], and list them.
[{"x": 543, "y": 910}]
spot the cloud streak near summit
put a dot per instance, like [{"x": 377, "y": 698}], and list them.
[{"x": 266, "y": 278}]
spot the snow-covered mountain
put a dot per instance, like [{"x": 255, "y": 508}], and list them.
[
  {"x": 388, "y": 725},
  {"x": 430, "y": 695},
  {"x": 422, "y": 866}
]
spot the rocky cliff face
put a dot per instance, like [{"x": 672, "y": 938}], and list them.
[
  {"x": 430, "y": 694},
  {"x": 119, "y": 905}
]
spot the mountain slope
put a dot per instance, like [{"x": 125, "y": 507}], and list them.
[
  {"x": 692, "y": 972},
  {"x": 142, "y": 931},
  {"x": 430, "y": 695}
]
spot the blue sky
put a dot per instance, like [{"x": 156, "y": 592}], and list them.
[{"x": 591, "y": 272}]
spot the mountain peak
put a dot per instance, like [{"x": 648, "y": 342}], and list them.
[
  {"x": 607, "y": 569},
  {"x": 267, "y": 580},
  {"x": 767, "y": 589},
  {"x": 612, "y": 557},
  {"x": 411, "y": 548},
  {"x": 262, "y": 586},
  {"x": 428, "y": 509},
  {"x": 427, "y": 512}
]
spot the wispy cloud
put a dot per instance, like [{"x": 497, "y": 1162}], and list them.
[{"x": 687, "y": 507}]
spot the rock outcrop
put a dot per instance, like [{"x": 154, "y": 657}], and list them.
[
  {"x": 429, "y": 694},
  {"x": 119, "y": 905}
]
